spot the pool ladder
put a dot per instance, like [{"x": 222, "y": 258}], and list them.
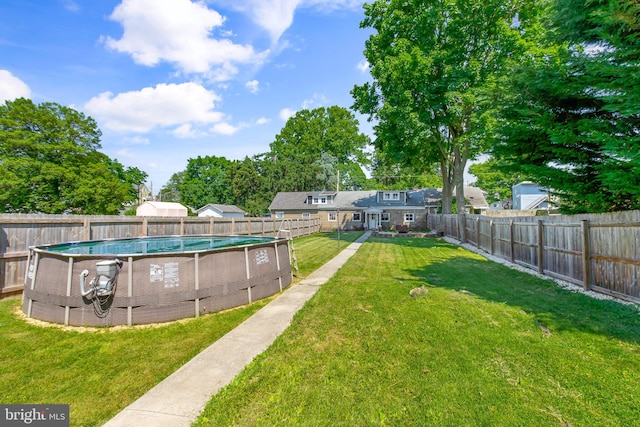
[{"x": 293, "y": 249}]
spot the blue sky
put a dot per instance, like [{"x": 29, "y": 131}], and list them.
[{"x": 169, "y": 80}]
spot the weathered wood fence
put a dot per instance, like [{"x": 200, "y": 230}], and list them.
[
  {"x": 600, "y": 252},
  {"x": 19, "y": 232}
]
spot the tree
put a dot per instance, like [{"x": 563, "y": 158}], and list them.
[
  {"x": 206, "y": 181},
  {"x": 390, "y": 175},
  {"x": 573, "y": 119},
  {"x": 432, "y": 62},
  {"x": 298, "y": 149},
  {"x": 496, "y": 179},
  {"x": 170, "y": 192},
  {"x": 50, "y": 163}
]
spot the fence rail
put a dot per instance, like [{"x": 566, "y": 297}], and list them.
[
  {"x": 598, "y": 252},
  {"x": 19, "y": 232}
]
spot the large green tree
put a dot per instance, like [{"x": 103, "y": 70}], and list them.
[
  {"x": 298, "y": 149},
  {"x": 50, "y": 163},
  {"x": 206, "y": 180},
  {"x": 432, "y": 62},
  {"x": 572, "y": 115}
]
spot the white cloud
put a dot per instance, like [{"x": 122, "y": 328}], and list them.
[
  {"x": 179, "y": 32},
  {"x": 12, "y": 87},
  {"x": 262, "y": 121},
  {"x": 315, "y": 101},
  {"x": 162, "y": 106},
  {"x": 286, "y": 114},
  {"x": 363, "y": 66},
  {"x": 185, "y": 131},
  {"x": 71, "y": 6},
  {"x": 224, "y": 129},
  {"x": 252, "y": 86},
  {"x": 276, "y": 16}
]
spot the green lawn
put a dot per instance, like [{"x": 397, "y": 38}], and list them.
[
  {"x": 486, "y": 345},
  {"x": 102, "y": 371}
]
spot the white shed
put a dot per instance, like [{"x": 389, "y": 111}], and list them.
[
  {"x": 161, "y": 209},
  {"x": 221, "y": 211}
]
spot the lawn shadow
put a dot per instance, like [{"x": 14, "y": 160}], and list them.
[{"x": 452, "y": 267}]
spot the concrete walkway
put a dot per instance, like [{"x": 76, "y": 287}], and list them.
[{"x": 181, "y": 397}]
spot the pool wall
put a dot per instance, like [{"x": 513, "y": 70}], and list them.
[{"x": 154, "y": 288}]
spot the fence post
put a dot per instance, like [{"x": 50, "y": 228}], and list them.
[
  {"x": 87, "y": 228},
  {"x": 511, "y": 241},
  {"x": 462, "y": 220},
  {"x": 478, "y": 232},
  {"x": 491, "y": 236},
  {"x": 540, "y": 246},
  {"x": 586, "y": 256},
  {"x": 145, "y": 226}
]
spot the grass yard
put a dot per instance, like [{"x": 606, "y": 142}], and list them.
[
  {"x": 486, "y": 345},
  {"x": 101, "y": 371}
]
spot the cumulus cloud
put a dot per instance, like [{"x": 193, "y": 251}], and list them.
[
  {"x": 276, "y": 16},
  {"x": 363, "y": 66},
  {"x": 179, "y": 32},
  {"x": 12, "y": 87},
  {"x": 286, "y": 113},
  {"x": 262, "y": 121},
  {"x": 252, "y": 86},
  {"x": 224, "y": 129},
  {"x": 185, "y": 131},
  {"x": 162, "y": 106}
]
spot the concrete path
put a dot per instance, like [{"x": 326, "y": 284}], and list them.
[{"x": 181, "y": 397}]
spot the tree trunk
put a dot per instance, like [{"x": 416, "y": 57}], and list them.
[
  {"x": 459, "y": 163},
  {"x": 447, "y": 186}
]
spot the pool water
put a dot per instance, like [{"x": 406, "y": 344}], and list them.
[{"x": 154, "y": 245}]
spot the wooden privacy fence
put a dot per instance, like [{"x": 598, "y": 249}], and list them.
[
  {"x": 600, "y": 252},
  {"x": 19, "y": 232}
]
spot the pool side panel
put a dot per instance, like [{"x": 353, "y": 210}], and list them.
[{"x": 162, "y": 286}]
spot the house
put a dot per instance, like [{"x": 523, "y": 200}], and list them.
[
  {"x": 221, "y": 211},
  {"x": 529, "y": 196},
  {"x": 475, "y": 202},
  {"x": 161, "y": 209},
  {"x": 358, "y": 210}
]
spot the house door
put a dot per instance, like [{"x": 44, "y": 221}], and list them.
[{"x": 372, "y": 222}]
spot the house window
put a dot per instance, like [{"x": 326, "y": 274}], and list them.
[
  {"x": 279, "y": 214},
  {"x": 332, "y": 216},
  {"x": 306, "y": 215},
  {"x": 385, "y": 217},
  {"x": 391, "y": 195},
  {"x": 322, "y": 200},
  {"x": 356, "y": 216},
  {"x": 408, "y": 217}
]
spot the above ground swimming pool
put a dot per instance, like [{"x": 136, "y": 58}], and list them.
[{"x": 151, "y": 279}]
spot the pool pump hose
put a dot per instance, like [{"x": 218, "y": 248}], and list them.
[{"x": 103, "y": 286}]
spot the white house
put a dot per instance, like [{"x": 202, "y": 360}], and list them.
[
  {"x": 528, "y": 196},
  {"x": 221, "y": 211},
  {"x": 161, "y": 209}
]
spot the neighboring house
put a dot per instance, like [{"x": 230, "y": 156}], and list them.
[
  {"x": 221, "y": 211},
  {"x": 530, "y": 196},
  {"x": 475, "y": 202},
  {"x": 144, "y": 194},
  {"x": 358, "y": 210},
  {"x": 161, "y": 209}
]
